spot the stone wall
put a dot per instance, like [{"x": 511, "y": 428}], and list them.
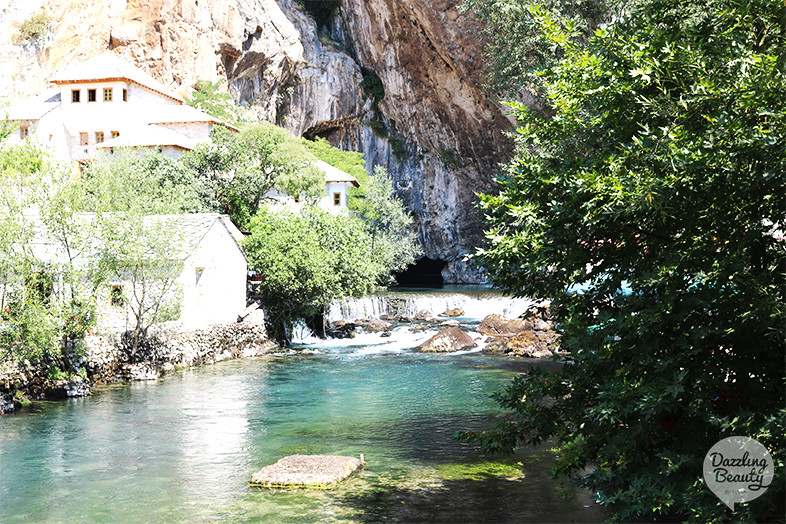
[{"x": 108, "y": 358}]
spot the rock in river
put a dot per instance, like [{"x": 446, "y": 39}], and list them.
[
  {"x": 307, "y": 471},
  {"x": 448, "y": 340},
  {"x": 500, "y": 325}
]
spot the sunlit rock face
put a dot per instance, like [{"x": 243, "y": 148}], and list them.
[{"x": 435, "y": 130}]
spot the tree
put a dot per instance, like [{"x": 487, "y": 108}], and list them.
[
  {"x": 306, "y": 261},
  {"x": 516, "y": 47},
  {"x": 393, "y": 244},
  {"x": 29, "y": 324},
  {"x": 662, "y": 169},
  {"x": 212, "y": 99},
  {"x": 239, "y": 169},
  {"x": 139, "y": 244}
]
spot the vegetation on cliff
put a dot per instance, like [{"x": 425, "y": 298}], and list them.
[{"x": 661, "y": 169}]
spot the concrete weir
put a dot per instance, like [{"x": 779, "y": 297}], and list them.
[{"x": 308, "y": 472}]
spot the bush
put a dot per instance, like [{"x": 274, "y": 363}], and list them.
[{"x": 34, "y": 30}]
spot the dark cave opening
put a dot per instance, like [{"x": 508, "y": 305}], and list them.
[{"x": 425, "y": 272}]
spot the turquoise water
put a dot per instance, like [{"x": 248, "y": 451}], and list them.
[{"x": 182, "y": 449}]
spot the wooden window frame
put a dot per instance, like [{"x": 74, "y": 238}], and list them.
[
  {"x": 92, "y": 93},
  {"x": 336, "y": 198},
  {"x": 125, "y": 95},
  {"x": 115, "y": 134},
  {"x": 76, "y": 96},
  {"x": 99, "y": 137},
  {"x": 24, "y": 131},
  {"x": 108, "y": 94},
  {"x": 83, "y": 139}
]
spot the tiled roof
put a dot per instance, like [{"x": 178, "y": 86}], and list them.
[
  {"x": 333, "y": 174},
  {"x": 106, "y": 66}
]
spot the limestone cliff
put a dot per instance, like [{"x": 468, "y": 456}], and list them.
[{"x": 434, "y": 130}]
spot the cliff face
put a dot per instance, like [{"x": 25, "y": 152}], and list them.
[{"x": 433, "y": 129}]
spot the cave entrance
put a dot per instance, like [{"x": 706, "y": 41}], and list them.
[{"x": 425, "y": 272}]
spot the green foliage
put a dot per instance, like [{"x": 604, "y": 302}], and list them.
[
  {"x": 379, "y": 127},
  {"x": 307, "y": 260},
  {"x": 350, "y": 162},
  {"x": 140, "y": 184},
  {"x": 236, "y": 170},
  {"x": 449, "y": 157},
  {"x": 211, "y": 98},
  {"x": 34, "y": 30},
  {"x": 662, "y": 168},
  {"x": 399, "y": 147},
  {"x": 393, "y": 244},
  {"x": 516, "y": 47},
  {"x": 373, "y": 87}
]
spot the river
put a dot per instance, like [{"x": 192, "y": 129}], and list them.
[{"x": 181, "y": 449}]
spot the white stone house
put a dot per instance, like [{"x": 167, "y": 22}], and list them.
[
  {"x": 336, "y": 197},
  {"x": 104, "y": 103},
  {"x": 208, "y": 286}
]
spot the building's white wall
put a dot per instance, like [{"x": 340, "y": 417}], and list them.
[
  {"x": 138, "y": 94},
  {"x": 117, "y": 93},
  {"x": 198, "y": 130},
  {"x": 326, "y": 202},
  {"x": 280, "y": 200},
  {"x": 220, "y": 294}
]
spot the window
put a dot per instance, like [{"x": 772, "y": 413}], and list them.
[
  {"x": 297, "y": 199},
  {"x": 75, "y": 96},
  {"x": 99, "y": 137},
  {"x": 125, "y": 95},
  {"x": 23, "y": 131},
  {"x": 116, "y": 296},
  {"x": 82, "y": 139},
  {"x": 115, "y": 134},
  {"x": 107, "y": 94},
  {"x": 336, "y": 199},
  {"x": 91, "y": 95}
]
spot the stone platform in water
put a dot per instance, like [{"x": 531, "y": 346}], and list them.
[{"x": 307, "y": 471}]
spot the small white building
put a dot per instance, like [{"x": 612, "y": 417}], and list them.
[
  {"x": 104, "y": 103},
  {"x": 209, "y": 286},
  {"x": 336, "y": 197}
]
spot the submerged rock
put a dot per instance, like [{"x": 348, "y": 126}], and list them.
[
  {"x": 447, "y": 341},
  {"x": 307, "y": 471},
  {"x": 7, "y": 404}
]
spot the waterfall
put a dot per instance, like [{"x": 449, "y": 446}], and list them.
[{"x": 476, "y": 306}]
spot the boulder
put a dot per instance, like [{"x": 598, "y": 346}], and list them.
[
  {"x": 62, "y": 389},
  {"x": 404, "y": 319},
  {"x": 424, "y": 314},
  {"x": 7, "y": 404},
  {"x": 524, "y": 344},
  {"x": 308, "y": 471},
  {"x": 341, "y": 329},
  {"x": 375, "y": 326},
  {"x": 450, "y": 323},
  {"x": 387, "y": 318},
  {"x": 500, "y": 325},
  {"x": 455, "y": 312},
  {"x": 448, "y": 340}
]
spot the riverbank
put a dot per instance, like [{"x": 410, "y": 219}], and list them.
[{"x": 103, "y": 359}]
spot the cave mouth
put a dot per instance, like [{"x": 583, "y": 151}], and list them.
[{"x": 425, "y": 272}]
